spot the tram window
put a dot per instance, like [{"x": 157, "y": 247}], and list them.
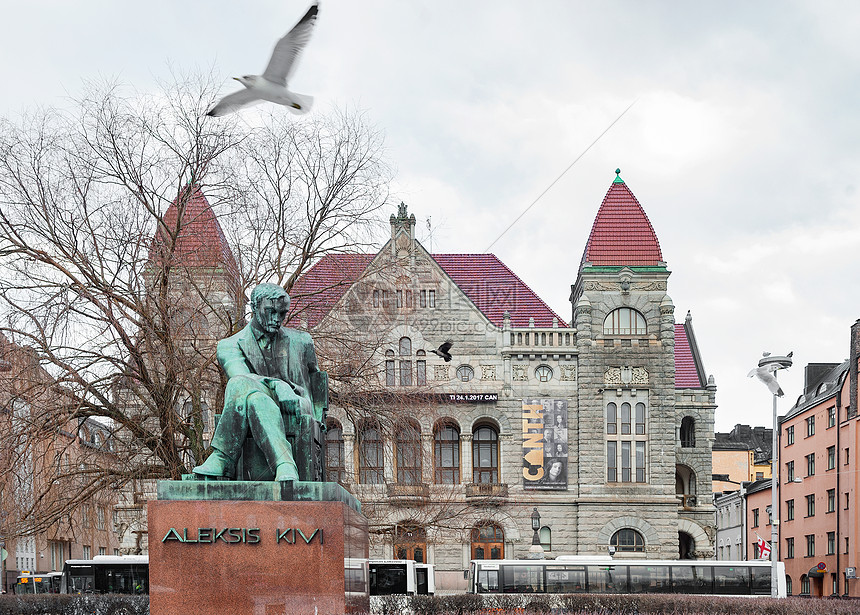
[
  {"x": 523, "y": 579},
  {"x": 692, "y": 579},
  {"x": 731, "y": 580},
  {"x": 649, "y": 579},
  {"x": 565, "y": 580},
  {"x": 760, "y": 581},
  {"x": 607, "y": 579},
  {"x": 488, "y": 581},
  {"x": 386, "y": 580}
]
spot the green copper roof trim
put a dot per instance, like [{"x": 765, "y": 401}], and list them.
[
  {"x": 611, "y": 268},
  {"x": 617, "y": 179}
]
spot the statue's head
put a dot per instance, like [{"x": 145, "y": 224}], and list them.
[{"x": 269, "y": 305}]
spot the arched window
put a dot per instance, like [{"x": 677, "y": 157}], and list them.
[
  {"x": 370, "y": 455},
  {"x": 624, "y": 321},
  {"x": 410, "y": 542},
  {"x": 446, "y": 454},
  {"x": 334, "y": 453},
  {"x": 688, "y": 432},
  {"x": 488, "y": 541},
  {"x": 421, "y": 368},
  {"x": 787, "y": 585},
  {"x": 546, "y": 538},
  {"x": 804, "y": 585},
  {"x": 628, "y": 540},
  {"x": 408, "y": 444},
  {"x": 389, "y": 368},
  {"x": 405, "y": 362},
  {"x": 543, "y": 373},
  {"x": 485, "y": 455}
]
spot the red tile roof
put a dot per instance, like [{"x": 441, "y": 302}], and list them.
[
  {"x": 686, "y": 375},
  {"x": 484, "y": 279},
  {"x": 201, "y": 241},
  {"x": 622, "y": 234}
]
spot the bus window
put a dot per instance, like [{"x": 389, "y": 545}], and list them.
[
  {"x": 732, "y": 580},
  {"x": 760, "y": 581},
  {"x": 523, "y": 579},
  {"x": 692, "y": 579},
  {"x": 488, "y": 581},
  {"x": 565, "y": 579},
  {"x": 607, "y": 579},
  {"x": 649, "y": 580},
  {"x": 386, "y": 580}
]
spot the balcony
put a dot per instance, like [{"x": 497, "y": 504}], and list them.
[
  {"x": 400, "y": 494},
  {"x": 491, "y": 494}
]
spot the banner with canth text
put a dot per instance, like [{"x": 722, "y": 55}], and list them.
[{"x": 545, "y": 444}]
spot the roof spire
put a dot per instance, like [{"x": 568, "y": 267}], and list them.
[{"x": 617, "y": 179}]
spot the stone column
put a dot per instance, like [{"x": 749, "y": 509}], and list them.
[
  {"x": 388, "y": 458},
  {"x": 466, "y": 458},
  {"x": 349, "y": 457},
  {"x": 427, "y": 460}
]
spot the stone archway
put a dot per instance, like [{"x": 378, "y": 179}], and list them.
[{"x": 702, "y": 548}]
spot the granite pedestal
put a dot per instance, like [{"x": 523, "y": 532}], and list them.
[{"x": 256, "y": 548}]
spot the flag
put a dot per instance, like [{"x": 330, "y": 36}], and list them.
[{"x": 763, "y": 548}]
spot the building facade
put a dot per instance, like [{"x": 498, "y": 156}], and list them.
[{"x": 604, "y": 424}]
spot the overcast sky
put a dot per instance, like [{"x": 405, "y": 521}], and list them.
[{"x": 742, "y": 146}]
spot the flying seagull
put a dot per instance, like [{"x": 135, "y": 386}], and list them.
[
  {"x": 442, "y": 351},
  {"x": 272, "y": 84},
  {"x": 766, "y": 375}
]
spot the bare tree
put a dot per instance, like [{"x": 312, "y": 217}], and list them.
[{"x": 100, "y": 275}]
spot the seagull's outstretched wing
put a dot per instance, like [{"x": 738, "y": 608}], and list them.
[
  {"x": 284, "y": 58},
  {"x": 234, "y": 102}
]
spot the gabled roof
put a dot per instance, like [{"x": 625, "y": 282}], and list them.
[
  {"x": 622, "y": 235},
  {"x": 483, "y": 278},
  {"x": 201, "y": 241}
]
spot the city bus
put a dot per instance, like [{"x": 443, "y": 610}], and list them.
[
  {"x": 37, "y": 583},
  {"x": 106, "y": 574},
  {"x": 608, "y": 575}
]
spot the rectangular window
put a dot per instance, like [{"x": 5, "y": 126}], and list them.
[
  {"x": 612, "y": 462},
  {"x": 810, "y": 545},
  {"x": 755, "y": 517},
  {"x": 847, "y": 500},
  {"x": 810, "y": 464},
  {"x": 102, "y": 551},
  {"x": 640, "y": 462},
  {"x": 431, "y": 298},
  {"x": 789, "y": 435},
  {"x": 789, "y": 472},
  {"x": 789, "y": 510},
  {"x": 386, "y": 300},
  {"x": 847, "y": 456},
  {"x": 422, "y": 298},
  {"x": 399, "y": 299},
  {"x": 810, "y": 505},
  {"x": 831, "y": 543},
  {"x": 376, "y": 298},
  {"x": 759, "y": 475},
  {"x": 640, "y": 419},
  {"x": 611, "y": 418},
  {"x": 116, "y": 552},
  {"x": 831, "y": 457},
  {"x": 421, "y": 375},
  {"x": 810, "y": 426},
  {"x": 831, "y": 500},
  {"x": 846, "y": 544},
  {"x": 789, "y": 548},
  {"x": 831, "y": 417},
  {"x": 405, "y": 373},
  {"x": 409, "y": 298},
  {"x": 389, "y": 373},
  {"x": 625, "y": 462},
  {"x": 87, "y": 554},
  {"x": 100, "y": 520}
]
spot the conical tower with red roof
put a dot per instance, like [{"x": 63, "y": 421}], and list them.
[{"x": 625, "y": 331}]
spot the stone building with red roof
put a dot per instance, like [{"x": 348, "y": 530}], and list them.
[{"x": 604, "y": 423}]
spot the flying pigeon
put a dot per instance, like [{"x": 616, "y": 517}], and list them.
[
  {"x": 443, "y": 351},
  {"x": 766, "y": 375},
  {"x": 272, "y": 84}
]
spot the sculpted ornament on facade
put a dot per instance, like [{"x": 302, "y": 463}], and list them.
[
  {"x": 646, "y": 286},
  {"x": 488, "y": 372},
  {"x": 612, "y": 376},
  {"x": 626, "y": 375},
  {"x": 601, "y": 286},
  {"x": 639, "y": 375},
  {"x": 568, "y": 372},
  {"x": 521, "y": 372},
  {"x": 440, "y": 372}
]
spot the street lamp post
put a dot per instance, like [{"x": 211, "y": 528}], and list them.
[
  {"x": 771, "y": 364},
  {"x": 536, "y": 550}
]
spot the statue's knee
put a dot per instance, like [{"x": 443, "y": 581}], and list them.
[{"x": 239, "y": 387}]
